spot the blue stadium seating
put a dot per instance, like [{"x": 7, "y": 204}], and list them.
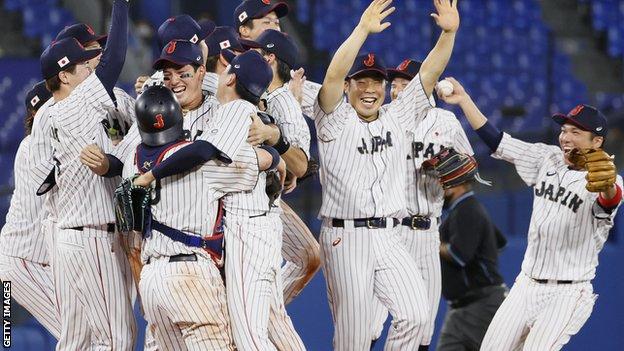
[{"x": 608, "y": 16}]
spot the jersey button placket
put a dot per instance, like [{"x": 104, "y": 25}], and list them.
[{"x": 375, "y": 129}]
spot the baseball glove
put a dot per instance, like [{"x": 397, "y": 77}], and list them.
[
  {"x": 601, "y": 172},
  {"x": 273, "y": 186},
  {"x": 132, "y": 207},
  {"x": 451, "y": 167}
]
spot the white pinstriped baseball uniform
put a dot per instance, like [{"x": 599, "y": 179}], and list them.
[
  {"x": 363, "y": 175},
  {"x": 567, "y": 231},
  {"x": 24, "y": 258},
  {"x": 185, "y": 301},
  {"x": 210, "y": 83},
  {"x": 308, "y": 97},
  {"x": 425, "y": 197},
  {"x": 253, "y": 246},
  {"x": 100, "y": 290}
]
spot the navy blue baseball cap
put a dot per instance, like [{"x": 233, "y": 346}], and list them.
[
  {"x": 252, "y": 71},
  {"x": 586, "y": 117},
  {"x": 37, "y": 96},
  {"x": 252, "y": 9},
  {"x": 368, "y": 64},
  {"x": 408, "y": 69},
  {"x": 62, "y": 54},
  {"x": 179, "y": 52},
  {"x": 183, "y": 27},
  {"x": 223, "y": 38},
  {"x": 280, "y": 44},
  {"x": 83, "y": 33}
]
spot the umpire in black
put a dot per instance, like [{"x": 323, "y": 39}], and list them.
[{"x": 469, "y": 248}]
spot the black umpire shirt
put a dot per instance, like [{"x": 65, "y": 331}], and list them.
[{"x": 473, "y": 243}]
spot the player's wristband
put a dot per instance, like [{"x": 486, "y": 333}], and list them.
[
  {"x": 612, "y": 202},
  {"x": 275, "y": 157},
  {"x": 490, "y": 135},
  {"x": 282, "y": 145}
]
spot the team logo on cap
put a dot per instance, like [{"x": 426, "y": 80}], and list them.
[
  {"x": 171, "y": 47},
  {"x": 270, "y": 45},
  {"x": 160, "y": 123},
  {"x": 598, "y": 129},
  {"x": 90, "y": 30},
  {"x": 34, "y": 101},
  {"x": 403, "y": 65},
  {"x": 575, "y": 111},
  {"x": 370, "y": 60},
  {"x": 63, "y": 62},
  {"x": 243, "y": 16},
  {"x": 198, "y": 58},
  {"x": 194, "y": 39},
  {"x": 266, "y": 2},
  {"x": 224, "y": 44}
]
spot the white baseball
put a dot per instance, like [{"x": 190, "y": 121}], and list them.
[{"x": 445, "y": 87}]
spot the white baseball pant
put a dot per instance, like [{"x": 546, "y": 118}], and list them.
[
  {"x": 539, "y": 317},
  {"x": 360, "y": 264}
]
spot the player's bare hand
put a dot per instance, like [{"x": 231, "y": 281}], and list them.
[
  {"x": 296, "y": 83},
  {"x": 447, "y": 16},
  {"x": 260, "y": 132},
  {"x": 94, "y": 158},
  {"x": 138, "y": 86},
  {"x": 290, "y": 184},
  {"x": 372, "y": 20},
  {"x": 458, "y": 96},
  {"x": 144, "y": 179}
]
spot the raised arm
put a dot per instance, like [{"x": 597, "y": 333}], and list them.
[
  {"x": 371, "y": 21},
  {"x": 447, "y": 18}
]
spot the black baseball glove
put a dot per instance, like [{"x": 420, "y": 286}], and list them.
[{"x": 132, "y": 206}]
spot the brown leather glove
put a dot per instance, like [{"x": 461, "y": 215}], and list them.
[{"x": 601, "y": 172}]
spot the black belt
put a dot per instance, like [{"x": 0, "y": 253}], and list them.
[
  {"x": 183, "y": 258},
  {"x": 110, "y": 228},
  {"x": 371, "y": 223},
  {"x": 476, "y": 295},
  {"x": 554, "y": 281},
  {"x": 417, "y": 222}
]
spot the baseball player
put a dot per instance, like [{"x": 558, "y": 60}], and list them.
[
  {"x": 363, "y": 175},
  {"x": 99, "y": 290},
  {"x": 299, "y": 247},
  {"x": 24, "y": 258},
  {"x": 183, "y": 293},
  {"x": 425, "y": 196},
  {"x": 576, "y": 196}
]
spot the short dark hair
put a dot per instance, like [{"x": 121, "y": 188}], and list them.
[
  {"x": 28, "y": 121},
  {"x": 211, "y": 63},
  {"x": 283, "y": 69},
  {"x": 249, "y": 24},
  {"x": 54, "y": 83}
]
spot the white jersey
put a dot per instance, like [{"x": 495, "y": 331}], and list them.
[
  {"x": 425, "y": 195},
  {"x": 568, "y": 228},
  {"x": 188, "y": 201},
  {"x": 308, "y": 98},
  {"x": 363, "y": 168},
  {"x": 41, "y": 151},
  {"x": 282, "y": 105},
  {"x": 210, "y": 83},
  {"x": 85, "y": 199},
  {"x": 22, "y": 235}
]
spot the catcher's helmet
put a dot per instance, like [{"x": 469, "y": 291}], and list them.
[{"x": 159, "y": 116}]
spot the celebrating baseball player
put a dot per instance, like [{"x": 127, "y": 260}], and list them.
[
  {"x": 425, "y": 195},
  {"x": 24, "y": 258},
  {"x": 98, "y": 292},
  {"x": 362, "y": 147},
  {"x": 576, "y": 195},
  {"x": 183, "y": 293}
]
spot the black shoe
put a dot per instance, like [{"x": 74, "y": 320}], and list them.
[
  {"x": 373, "y": 343},
  {"x": 423, "y": 348}
]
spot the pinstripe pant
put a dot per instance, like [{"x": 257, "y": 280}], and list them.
[
  {"x": 32, "y": 287},
  {"x": 301, "y": 252},
  {"x": 360, "y": 264},
  {"x": 539, "y": 317},
  {"x": 424, "y": 246},
  {"x": 93, "y": 287},
  {"x": 253, "y": 258}
]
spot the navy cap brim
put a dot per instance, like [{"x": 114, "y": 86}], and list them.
[
  {"x": 228, "y": 55},
  {"x": 158, "y": 64},
  {"x": 368, "y": 71},
  {"x": 281, "y": 10},
  {"x": 249, "y": 44},
  {"x": 562, "y": 119},
  {"x": 102, "y": 40},
  {"x": 395, "y": 73}
]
